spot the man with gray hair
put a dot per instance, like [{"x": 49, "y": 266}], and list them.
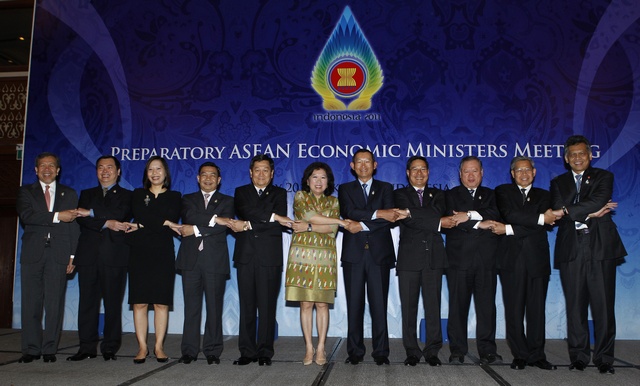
[{"x": 523, "y": 263}]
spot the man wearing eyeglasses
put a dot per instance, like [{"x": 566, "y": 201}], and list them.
[{"x": 523, "y": 265}]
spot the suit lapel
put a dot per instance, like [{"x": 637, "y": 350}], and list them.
[{"x": 36, "y": 190}]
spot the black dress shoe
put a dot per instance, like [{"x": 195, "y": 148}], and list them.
[
  {"x": 606, "y": 368},
  {"x": 211, "y": 359},
  {"x": 578, "y": 365},
  {"x": 242, "y": 361},
  {"x": 186, "y": 359},
  {"x": 49, "y": 358},
  {"x": 381, "y": 360},
  {"x": 518, "y": 364},
  {"x": 456, "y": 359},
  {"x": 490, "y": 359},
  {"x": 264, "y": 361},
  {"x": 142, "y": 360},
  {"x": 80, "y": 357},
  {"x": 543, "y": 364},
  {"x": 28, "y": 358},
  {"x": 411, "y": 360},
  {"x": 434, "y": 361},
  {"x": 353, "y": 360},
  {"x": 160, "y": 360},
  {"x": 109, "y": 355}
]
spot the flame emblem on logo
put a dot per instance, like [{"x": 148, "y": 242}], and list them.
[{"x": 347, "y": 70}]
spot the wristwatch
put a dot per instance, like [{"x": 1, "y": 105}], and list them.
[
  {"x": 246, "y": 226},
  {"x": 309, "y": 228},
  {"x": 469, "y": 214}
]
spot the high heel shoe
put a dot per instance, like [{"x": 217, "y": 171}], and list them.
[
  {"x": 160, "y": 360},
  {"x": 142, "y": 360},
  {"x": 321, "y": 361},
  {"x": 307, "y": 361}
]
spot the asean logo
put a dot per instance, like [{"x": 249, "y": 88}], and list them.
[{"x": 347, "y": 73}]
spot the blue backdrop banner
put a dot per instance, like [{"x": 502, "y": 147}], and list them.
[{"x": 220, "y": 81}]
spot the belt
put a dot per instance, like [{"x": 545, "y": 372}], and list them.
[{"x": 583, "y": 231}]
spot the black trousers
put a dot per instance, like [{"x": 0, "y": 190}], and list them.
[{"x": 587, "y": 282}]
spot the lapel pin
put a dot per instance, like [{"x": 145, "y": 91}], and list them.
[
  {"x": 62, "y": 194},
  {"x": 479, "y": 197},
  {"x": 430, "y": 195}
]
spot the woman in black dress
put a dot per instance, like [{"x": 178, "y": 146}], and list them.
[{"x": 156, "y": 211}]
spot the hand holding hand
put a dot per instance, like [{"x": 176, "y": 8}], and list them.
[
  {"x": 68, "y": 215},
  {"x": 388, "y": 214}
]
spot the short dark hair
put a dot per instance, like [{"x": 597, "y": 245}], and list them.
[
  {"x": 167, "y": 180},
  {"x": 521, "y": 158},
  {"x": 331, "y": 186},
  {"x": 415, "y": 158},
  {"x": 575, "y": 140},
  {"x": 115, "y": 160},
  {"x": 261, "y": 157},
  {"x": 363, "y": 150},
  {"x": 470, "y": 158},
  {"x": 46, "y": 154},
  {"x": 210, "y": 164}
]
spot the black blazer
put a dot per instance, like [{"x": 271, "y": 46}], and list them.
[
  {"x": 38, "y": 223},
  {"x": 595, "y": 191},
  {"x": 378, "y": 238},
  {"x": 466, "y": 247},
  {"x": 264, "y": 241},
  {"x": 214, "y": 239},
  {"x": 95, "y": 242},
  {"x": 529, "y": 240},
  {"x": 421, "y": 244}
]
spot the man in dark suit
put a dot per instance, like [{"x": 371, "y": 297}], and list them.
[
  {"x": 523, "y": 263},
  {"x": 47, "y": 212},
  {"x": 203, "y": 260},
  {"x": 261, "y": 209},
  {"x": 367, "y": 256},
  {"x": 102, "y": 259},
  {"x": 421, "y": 260},
  {"x": 471, "y": 250},
  {"x": 587, "y": 252}
]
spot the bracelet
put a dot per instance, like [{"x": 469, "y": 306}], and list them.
[{"x": 309, "y": 228}]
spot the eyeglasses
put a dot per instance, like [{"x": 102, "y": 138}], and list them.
[{"x": 522, "y": 170}]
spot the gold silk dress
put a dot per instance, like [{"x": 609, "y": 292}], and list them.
[{"x": 312, "y": 269}]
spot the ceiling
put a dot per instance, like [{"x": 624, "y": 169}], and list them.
[{"x": 15, "y": 33}]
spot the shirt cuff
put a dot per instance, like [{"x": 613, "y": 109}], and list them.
[
  {"x": 375, "y": 215},
  {"x": 364, "y": 227},
  {"x": 541, "y": 219},
  {"x": 509, "y": 229},
  {"x": 91, "y": 214},
  {"x": 272, "y": 218},
  {"x": 212, "y": 222},
  {"x": 475, "y": 215},
  {"x": 56, "y": 220},
  {"x": 196, "y": 231}
]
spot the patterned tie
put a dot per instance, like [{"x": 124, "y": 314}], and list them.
[
  {"x": 47, "y": 197},
  {"x": 260, "y": 192},
  {"x": 471, "y": 192},
  {"x": 524, "y": 195},
  {"x": 206, "y": 200},
  {"x": 104, "y": 192},
  {"x": 420, "y": 191},
  {"x": 578, "y": 183},
  {"x": 364, "y": 190}
]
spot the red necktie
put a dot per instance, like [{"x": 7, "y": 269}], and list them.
[{"x": 47, "y": 197}]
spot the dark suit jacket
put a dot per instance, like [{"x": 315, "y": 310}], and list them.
[
  {"x": 38, "y": 223},
  {"x": 595, "y": 191},
  {"x": 466, "y": 245},
  {"x": 529, "y": 240},
  {"x": 378, "y": 238},
  {"x": 421, "y": 244},
  {"x": 95, "y": 242},
  {"x": 264, "y": 241},
  {"x": 214, "y": 238}
]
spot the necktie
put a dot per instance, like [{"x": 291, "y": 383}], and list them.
[
  {"x": 578, "y": 183},
  {"x": 206, "y": 200},
  {"x": 364, "y": 190},
  {"x": 260, "y": 192},
  {"x": 420, "y": 191},
  {"x": 471, "y": 192},
  {"x": 524, "y": 195},
  {"x": 104, "y": 191},
  {"x": 47, "y": 197}
]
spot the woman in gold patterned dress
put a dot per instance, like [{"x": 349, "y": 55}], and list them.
[{"x": 312, "y": 267}]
